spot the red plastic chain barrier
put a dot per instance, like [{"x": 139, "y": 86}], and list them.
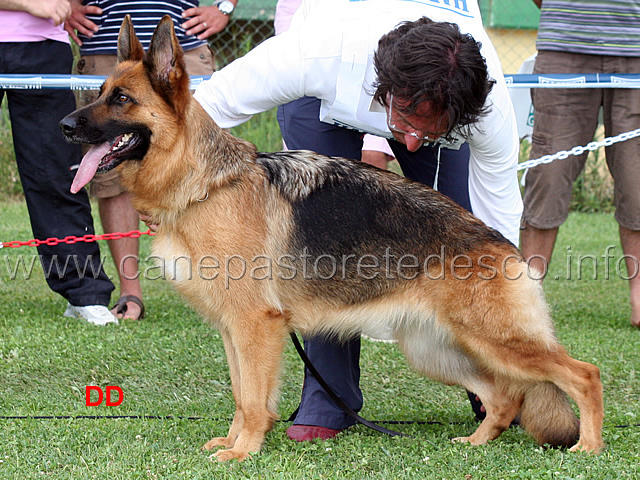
[{"x": 74, "y": 239}]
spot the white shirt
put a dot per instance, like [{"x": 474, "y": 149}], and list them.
[{"x": 328, "y": 53}]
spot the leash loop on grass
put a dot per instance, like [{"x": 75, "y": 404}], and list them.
[{"x": 192, "y": 418}]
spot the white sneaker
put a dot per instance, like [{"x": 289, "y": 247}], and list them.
[{"x": 96, "y": 314}]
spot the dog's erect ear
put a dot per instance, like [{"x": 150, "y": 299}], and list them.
[
  {"x": 129, "y": 47},
  {"x": 165, "y": 65}
]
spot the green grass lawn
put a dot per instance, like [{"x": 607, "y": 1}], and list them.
[{"x": 172, "y": 365}]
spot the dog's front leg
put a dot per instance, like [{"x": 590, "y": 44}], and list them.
[
  {"x": 257, "y": 341},
  {"x": 238, "y": 418}
]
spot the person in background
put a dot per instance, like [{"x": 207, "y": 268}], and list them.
[
  {"x": 424, "y": 76},
  {"x": 584, "y": 36},
  {"x": 94, "y": 26},
  {"x": 33, "y": 41},
  {"x": 375, "y": 150}
]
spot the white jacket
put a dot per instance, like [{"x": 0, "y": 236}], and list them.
[{"x": 328, "y": 53}]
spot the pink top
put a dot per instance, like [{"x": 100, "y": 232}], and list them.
[
  {"x": 17, "y": 26},
  {"x": 377, "y": 144}
]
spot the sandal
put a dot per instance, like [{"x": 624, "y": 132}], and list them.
[{"x": 121, "y": 306}]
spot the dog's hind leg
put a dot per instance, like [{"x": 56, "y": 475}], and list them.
[
  {"x": 257, "y": 341},
  {"x": 509, "y": 333},
  {"x": 535, "y": 364},
  {"x": 238, "y": 418},
  {"x": 501, "y": 407},
  {"x": 581, "y": 381}
]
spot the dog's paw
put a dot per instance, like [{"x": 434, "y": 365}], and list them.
[
  {"x": 231, "y": 454},
  {"x": 461, "y": 440},
  {"x": 587, "y": 447},
  {"x": 218, "y": 442}
]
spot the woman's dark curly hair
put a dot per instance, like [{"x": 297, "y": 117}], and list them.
[{"x": 432, "y": 61}]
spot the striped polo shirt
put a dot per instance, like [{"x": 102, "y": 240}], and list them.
[
  {"x": 145, "y": 16},
  {"x": 599, "y": 27}
]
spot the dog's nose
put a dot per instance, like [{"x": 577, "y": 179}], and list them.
[{"x": 69, "y": 123}]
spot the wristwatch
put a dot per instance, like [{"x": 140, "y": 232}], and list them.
[{"x": 225, "y": 6}]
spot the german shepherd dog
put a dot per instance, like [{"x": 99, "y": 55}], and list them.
[{"x": 297, "y": 241}]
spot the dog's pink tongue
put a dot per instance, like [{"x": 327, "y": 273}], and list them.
[{"x": 89, "y": 166}]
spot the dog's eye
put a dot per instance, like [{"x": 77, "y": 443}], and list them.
[{"x": 122, "y": 98}]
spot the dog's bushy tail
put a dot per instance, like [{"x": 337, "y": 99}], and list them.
[{"x": 547, "y": 415}]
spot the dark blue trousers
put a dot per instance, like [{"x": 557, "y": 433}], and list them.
[
  {"x": 338, "y": 363},
  {"x": 44, "y": 160}
]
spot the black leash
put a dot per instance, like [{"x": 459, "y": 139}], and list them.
[
  {"x": 181, "y": 417},
  {"x": 305, "y": 359},
  {"x": 346, "y": 408}
]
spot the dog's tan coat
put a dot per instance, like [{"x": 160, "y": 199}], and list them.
[{"x": 213, "y": 195}]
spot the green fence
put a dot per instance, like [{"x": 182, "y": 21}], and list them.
[
  {"x": 516, "y": 14},
  {"x": 251, "y": 23}
]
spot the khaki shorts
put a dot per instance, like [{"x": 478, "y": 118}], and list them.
[
  {"x": 566, "y": 118},
  {"x": 199, "y": 61}
]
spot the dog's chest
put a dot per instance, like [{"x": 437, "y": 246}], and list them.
[
  {"x": 196, "y": 277},
  {"x": 173, "y": 258}
]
